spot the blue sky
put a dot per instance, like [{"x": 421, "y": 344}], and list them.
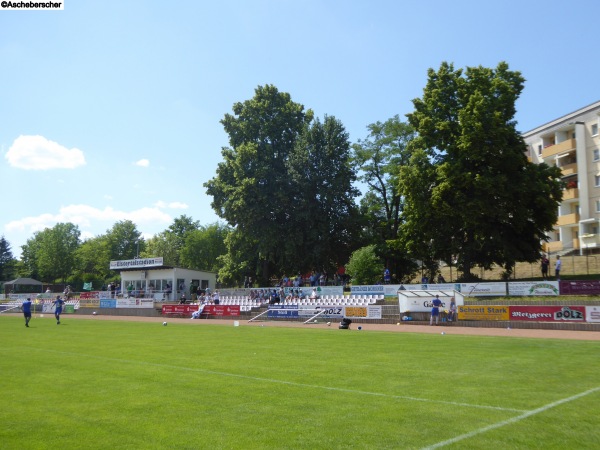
[{"x": 110, "y": 110}]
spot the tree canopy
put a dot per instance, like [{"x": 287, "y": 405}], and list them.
[{"x": 470, "y": 190}]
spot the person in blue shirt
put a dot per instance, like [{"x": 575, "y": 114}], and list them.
[
  {"x": 58, "y": 304},
  {"x": 387, "y": 277},
  {"x": 26, "y": 307},
  {"x": 435, "y": 310}
]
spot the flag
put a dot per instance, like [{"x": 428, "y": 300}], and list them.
[{"x": 87, "y": 286}]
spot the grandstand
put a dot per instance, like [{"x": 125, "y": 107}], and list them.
[{"x": 247, "y": 304}]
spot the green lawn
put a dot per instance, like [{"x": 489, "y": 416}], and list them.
[{"x": 112, "y": 384}]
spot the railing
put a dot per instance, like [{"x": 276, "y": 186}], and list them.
[
  {"x": 564, "y": 146},
  {"x": 567, "y": 219}
]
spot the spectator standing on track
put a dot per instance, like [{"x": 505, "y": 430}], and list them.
[
  {"x": 557, "y": 267},
  {"x": 26, "y": 307},
  {"x": 435, "y": 310},
  {"x": 58, "y": 305}
]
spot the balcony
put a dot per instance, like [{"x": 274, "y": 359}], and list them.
[
  {"x": 590, "y": 240},
  {"x": 564, "y": 146},
  {"x": 569, "y": 169},
  {"x": 570, "y": 194},
  {"x": 567, "y": 219},
  {"x": 552, "y": 247}
]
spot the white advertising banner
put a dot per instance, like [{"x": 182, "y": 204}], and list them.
[
  {"x": 139, "y": 263},
  {"x": 592, "y": 313},
  {"x": 497, "y": 289},
  {"x": 135, "y": 303},
  {"x": 377, "y": 289},
  {"x": 524, "y": 288}
]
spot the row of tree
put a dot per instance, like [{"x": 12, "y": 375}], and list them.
[
  {"x": 58, "y": 255},
  {"x": 451, "y": 184}
]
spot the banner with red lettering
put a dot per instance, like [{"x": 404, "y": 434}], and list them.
[
  {"x": 213, "y": 310},
  {"x": 548, "y": 313}
]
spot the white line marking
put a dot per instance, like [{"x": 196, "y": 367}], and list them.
[
  {"x": 513, "y": 420},
  {"x": 289, "y": 383}
]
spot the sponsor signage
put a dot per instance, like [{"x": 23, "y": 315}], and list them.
[
  {"x": 483, "y": 312},
  {"x": 362, "y": 312},
  {"x": 108, "y": 303},
  {"x": 548, "y": 313},
  {"x": 483, "y": 289},
  {"x": 135, "y": 303},
  {"x": 86, "y": 295},
  {"x": 592, "y": 313},
  {"x": 525, "y": 288},
  {"x": 179, "y": 309},
  {"x": 368, "y": 290},
  {"x": 221, "y": 310},
  {"x": 583, "y": 287},
  {"x": 283, "y": 311},
  {"x": 139, "y": 263}
]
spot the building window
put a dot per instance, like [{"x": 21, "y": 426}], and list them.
[
  {"x": 596, "y": 154},
  {"x": 595, "y": 129},
  {"x": 539, "y": 149},
  {"x": 598, "y": 206},
  {"x": 597, "y": 180}
]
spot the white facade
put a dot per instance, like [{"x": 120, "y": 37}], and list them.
[
  {"x": 572, "y": 143},
  {"x": 157, "y": 282}
]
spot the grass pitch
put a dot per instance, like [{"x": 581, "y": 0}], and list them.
[{"x": 139, "y": 385}]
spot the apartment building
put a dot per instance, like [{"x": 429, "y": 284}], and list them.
[{"x": 572, "y": 143}]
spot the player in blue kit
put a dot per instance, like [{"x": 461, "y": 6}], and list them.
[
  {"x": 58, "y": 303},
  {"x": 435, "y": 310},
  {"x": 26, "y": 307}
]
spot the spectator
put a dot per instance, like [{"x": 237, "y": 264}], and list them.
[
  {"x": 387, "y": 277},
  {"x": 545, "y": 266},
  {"x": 557, "y": 267},
  {"x": 183, "y": 299},
  {"x": 452, "y": 310}
]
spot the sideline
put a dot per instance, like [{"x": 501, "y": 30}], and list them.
[
  {"x": 513, "y": 420},
  {"x": 368, "y": 327}
]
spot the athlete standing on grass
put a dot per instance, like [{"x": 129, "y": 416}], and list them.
[
  {"x": 58, "y": 303},
  {"x": 435, "y": 310},
  {"x": 26, "y": 307}
]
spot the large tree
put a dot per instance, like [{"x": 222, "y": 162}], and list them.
[
  {"x": 322, "y": 214},
  {"x": 251, "y": 188},
  {"x": 203, "y": 246},
  {"x": 93, "y": 259},
  {"x": 469, "y": 189},
  {"x": 7, "y": 261},
  {"x": 50, "y": 254},
  {"x": 379, "y": 158},
  {"x": 124, "y": 241}
]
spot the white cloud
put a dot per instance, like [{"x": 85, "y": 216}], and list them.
[
  {"x": 172, "y": 205},
  {"x": 89, "y": 218},
  {"x": 39, "y": 153},
  {"x": 142, "y": 163}
]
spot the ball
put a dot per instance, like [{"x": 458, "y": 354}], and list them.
[
  {"x": 164, "y": 324},
  {"x": 94, "y": 313},
  {"x": 359, "y": 328},
  {"x": 315, "y": 320},
  {"x": 443, "y": 332},
  {"x": 398, "y": 323},
  {"x": 328, "y": 324}
]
